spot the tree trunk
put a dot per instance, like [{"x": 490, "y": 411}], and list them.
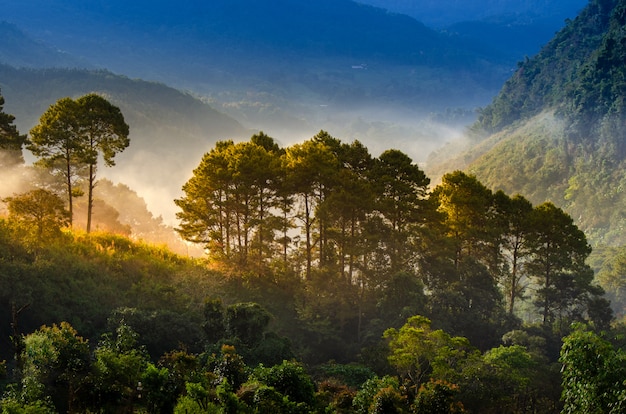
[{"x": 92, "y": 184}]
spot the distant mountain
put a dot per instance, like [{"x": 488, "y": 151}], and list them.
[
  {"x": 194, "y": 42},
  {"x": 169, "y": 130},
  {"x": 287, "y": 67},
  {"x": 557, "y": 130},
  {"x": 444, "y": 13},
  {"x": 509, "y": 29},
  {"x": 20, "y": 50}
]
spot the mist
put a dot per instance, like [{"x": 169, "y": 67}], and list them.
[
  {"x": 158, "y": 174},
  {"x": 385, "y": 80}
]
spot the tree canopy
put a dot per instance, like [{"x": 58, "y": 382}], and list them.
[{"x": 72, "y": 134}]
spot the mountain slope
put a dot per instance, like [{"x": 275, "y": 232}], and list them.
[
  {"x": 556, "y": 77},
  {"x": 558, "y": 125},
  {"x": 169, "y": 130},
  {"x": 20, "y": 50}
]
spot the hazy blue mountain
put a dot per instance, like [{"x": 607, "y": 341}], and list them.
[
  {"x": 507, "y": 28},
  {"x": 288, "y": 67},
  {"x": 249, "y": 42},
  {"x": 20, "y": 50},
  {"x": 444, "y": 13}
]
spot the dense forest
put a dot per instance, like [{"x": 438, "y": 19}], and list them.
[{"x": 333, "y": 282}]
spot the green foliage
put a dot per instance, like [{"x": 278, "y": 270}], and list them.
[
  {"x": 230, "y": 370},
  {"x": 55, "y": 365},
  {"x": 418, "y": 352},
  {"x": 437, "y": 397},
  {"x": 39, "y": 214},
  {"x": 188, "y": 405},
  {"x": 593, "y": 374},
  {"x": 352, "y": 375},
  {"x": 388, "y": 400},
  {"x": 11, "y": 142},
  {"x": 364, "y": 399},
  {"x": 118, "y": 369},
  {"x": 157, "y": 390},
  {"x": 246, "y": 322},
  {"x": 11, "y": 405},
  {"x": 289, "y": 379}
]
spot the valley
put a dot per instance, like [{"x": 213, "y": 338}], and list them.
[{"x": 326, "y": 207}]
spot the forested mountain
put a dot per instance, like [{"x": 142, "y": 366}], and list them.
[{"x": 558, "y": 125}]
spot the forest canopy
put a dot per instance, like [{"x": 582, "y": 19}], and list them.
[{"x": 334, "y": 281}]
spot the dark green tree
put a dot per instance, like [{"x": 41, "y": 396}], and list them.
[
  {"x": 400, "y": 188},
  {"x": 246, "y": 322},
  {"x": 231, "y": 200},
  {"x": 289, "y": 379},
  {"x": 437, "y": 397},
  {"x": 514, "y": 215},
  {"x": 346, "y": 208},
  {"x": 104, "y": 133},
  {"x": 57, "y": 143},
  {"x": 56, "y": 366},
  {"x": 467, "y": 206},
  {"x": 592, "y": 375},
  {"x": 558, "y": 264},
  {"x": 364, "y": 400},
  {"x": 312, "y": 167},
  {"x": 206, "y": 215},
  {"x": 117, "y": 370},
  {"x": 11, "y": 141},
  {"x": 419, "y": 353},
  {"x": 70, "y": 137}
]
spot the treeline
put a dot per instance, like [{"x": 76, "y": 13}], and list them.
[{"x": 331, "y": 216}]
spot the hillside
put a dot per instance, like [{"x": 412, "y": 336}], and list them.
[
  {"x": 170, "y": 130},
  {"x": 557, "y": 126},
  {"x": 388, "y": 270}
]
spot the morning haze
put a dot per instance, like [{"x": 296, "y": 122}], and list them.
[{"x": 327, "y": 206}]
